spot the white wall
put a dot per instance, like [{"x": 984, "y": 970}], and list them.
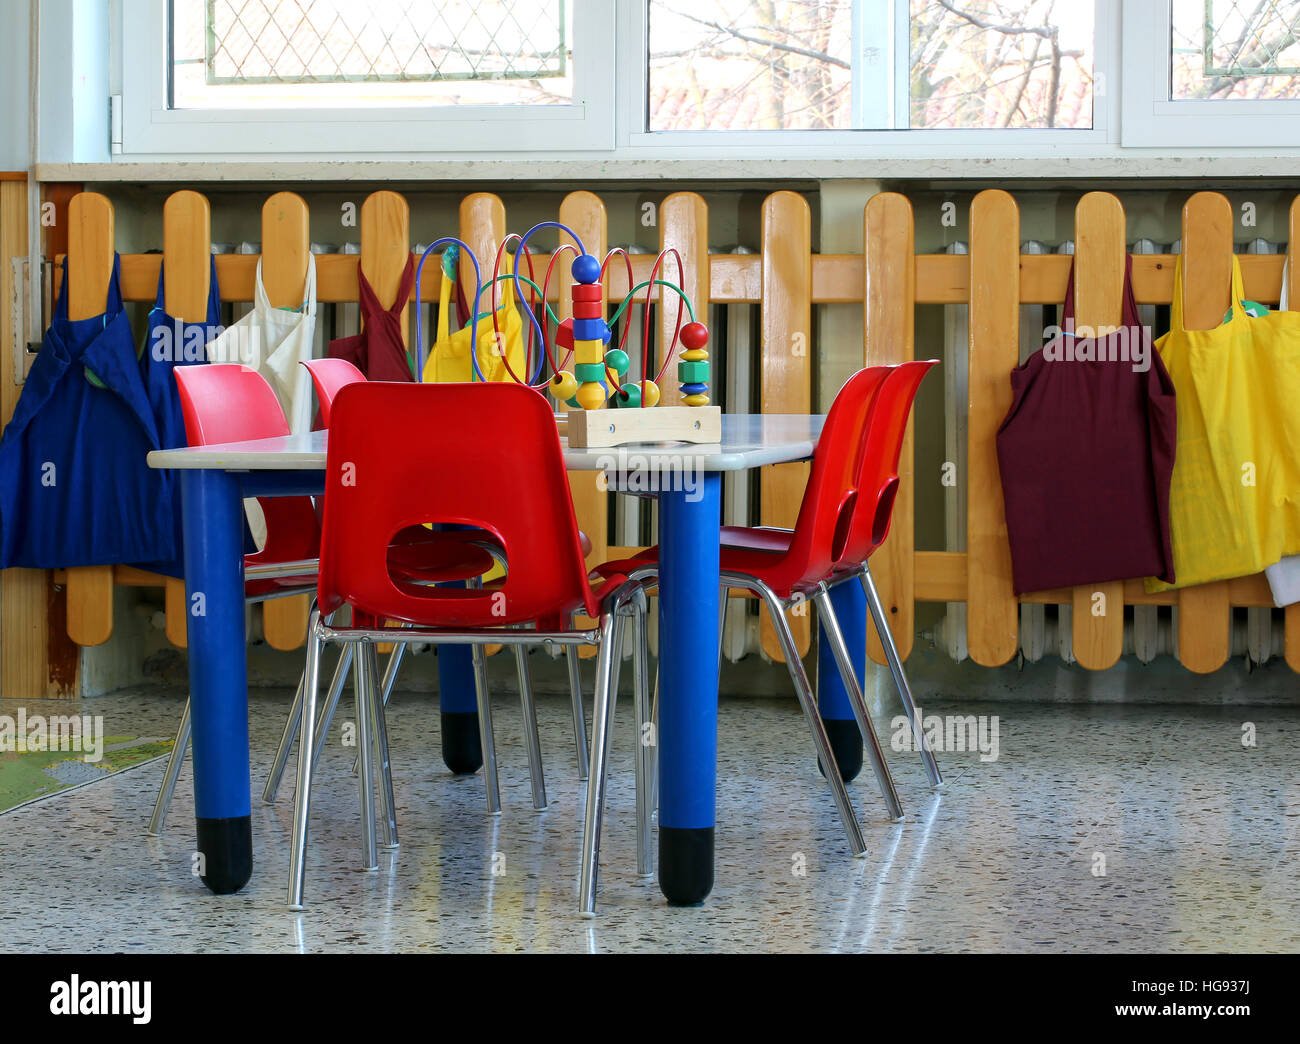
[{"x": 14, "y": 77}]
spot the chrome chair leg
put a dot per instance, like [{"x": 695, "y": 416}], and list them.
[
  {"x": 326, "y": 719},
  {"x": 390, "y": 676},
  {"x": 601, "y": 727},
  {"x": 646, "y": 740},
  {"x": 532, "y": 742},
  {"x": 306, "y": 763},
  {"x": 808, "y": 701},
  {"x": 849, "y": 676},
  {"x": 273, "y": 781},
  {"x": 387, "y": 803},
  {"x": 487, "y": 742},
  {"x": 900, "y": 679},
  {"x": 579, "y": 718},
  {"x": 362, "y": 684},
  {"x": 174, "y": 762}
]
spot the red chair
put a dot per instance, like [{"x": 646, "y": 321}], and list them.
[
  {"x": 233, "y": 403},
  {"x": 783, "y": 568},
  {"x": 877, "y": 483},
  {"x": 329, "y": 377},
  {"x": 503, "y": 430}
]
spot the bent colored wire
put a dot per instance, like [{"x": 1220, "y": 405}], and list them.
[{"x": 478, "y": 291}]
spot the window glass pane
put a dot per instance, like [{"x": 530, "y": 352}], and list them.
[
  {"x": 791, "y": 65},
  {"x": 1001, "y": 65},
  {"x": 1224, "y": 49},
  {"x": 750, "y": 64},
  {"x": 340, "y": 53}
]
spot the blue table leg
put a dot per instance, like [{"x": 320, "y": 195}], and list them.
[
  {"x": 462, "y": 752},
  {"x": 832, "y": 699},
  {"x": 689, "y": 537},
  {"x": 214, "y": 580}
]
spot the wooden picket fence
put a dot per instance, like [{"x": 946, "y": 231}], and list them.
[{"x": 785, "y": 279}]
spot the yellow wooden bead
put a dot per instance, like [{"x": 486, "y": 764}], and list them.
[
  {"x": 650, "y": 394},
  {"x": 563, "y": 385},
  {"x": 696, "y": 400},
  {"x": 589, "y": 351},
  {"x": 591, "y": 396},
  {"x": 695, "y": 354}
]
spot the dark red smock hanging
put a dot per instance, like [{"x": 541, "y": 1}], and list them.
[
  {"x": 1086, "y": 453},
  {"x": 378, "y": 350}
]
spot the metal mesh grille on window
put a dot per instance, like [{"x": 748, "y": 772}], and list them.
[
  {"x": 1244, "y": 38},
  {"x": 333, "y": 41}
]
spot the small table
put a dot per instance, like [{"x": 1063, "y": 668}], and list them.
[{"x": 687, "y": 480}]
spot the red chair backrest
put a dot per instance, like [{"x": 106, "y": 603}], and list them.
[
  {"x": 495, "y": 463},
  {"x": 828, "y": 499},
  {"x": 877, "y": 477},
  {"x": 228, "y": 402},
  {"x": 329, "y": 376}
]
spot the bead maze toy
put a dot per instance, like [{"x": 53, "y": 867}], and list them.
[{"x": 597, "y": 417}]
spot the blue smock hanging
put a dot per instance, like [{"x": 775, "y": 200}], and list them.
[
  {"x": 74, "y": 486},
  {"x": 171, "y": 343}
]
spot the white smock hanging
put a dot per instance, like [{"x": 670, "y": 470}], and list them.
[
  {"x": 1284, "y": 576},
  {"x": 273, "y": 341}
]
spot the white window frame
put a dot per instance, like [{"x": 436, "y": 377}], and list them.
[
  {"x": 863, "y": 144},
  {"x": 149, "y": 127},
  {"x": 1151, "y": 118}
]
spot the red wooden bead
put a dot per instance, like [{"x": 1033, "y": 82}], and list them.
[
  {"x": 588, "y": 310},
  {"x": 694, "y": 335},
  {"x": 587, "y": 292}
]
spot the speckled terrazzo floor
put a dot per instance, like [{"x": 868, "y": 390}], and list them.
[{"x": 1199, "y": 837}]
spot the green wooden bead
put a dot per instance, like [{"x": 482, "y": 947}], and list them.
[
  {"x": 629, "y": 396},
  {"x": 693, "y": 372},
  {"x": 616, "y": 359},
  {"x": 588, "y": 373}
]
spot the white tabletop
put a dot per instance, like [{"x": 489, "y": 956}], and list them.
[{"x": 749, "y": 440}]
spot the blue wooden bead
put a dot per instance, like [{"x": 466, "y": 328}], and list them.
[
  {"x": 586, "y": 269},
  {"x": 694, "y": 389},
  {"x": 590, "y": 330}
]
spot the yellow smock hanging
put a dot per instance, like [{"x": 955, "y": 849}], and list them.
[
  {"x": 449, "y": 360},
  {"x": 1236, "y": 485}
]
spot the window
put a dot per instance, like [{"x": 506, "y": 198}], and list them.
[
  {"x": 870, "y": 65},
  {"x": 1222, "y": 71},
  {"x": 434, "y": 76}
]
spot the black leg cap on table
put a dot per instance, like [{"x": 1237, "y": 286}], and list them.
[
  {"x": 461, "y": 750},
  {"x": 685, "y": 864},
  {"x": 227, "y": 849},
  {"x": 846, "y": 745}
]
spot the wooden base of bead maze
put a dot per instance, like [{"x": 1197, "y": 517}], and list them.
[{"x": 597, "y": 429}]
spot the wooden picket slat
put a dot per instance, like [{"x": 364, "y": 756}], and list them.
[
  {"x": 786, "y": 380},
  {"x": 90, "y": 267},
  {"x": 1291, "y": 633},
  {"x": 584, "y": 212},
  {"x": 1099, "y": 254},
  {"x": 286, "y": 246},
  {"x": 385, "y": 249},
  {"x": 187, "y": 249},
  {"x": 888, "y": 321},
  {"x": 1204, "y": 613},
  {"x": 482, "y": 228},
  {"x": 992, "y": 614},
  {"x": 684, "y": 226}
]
